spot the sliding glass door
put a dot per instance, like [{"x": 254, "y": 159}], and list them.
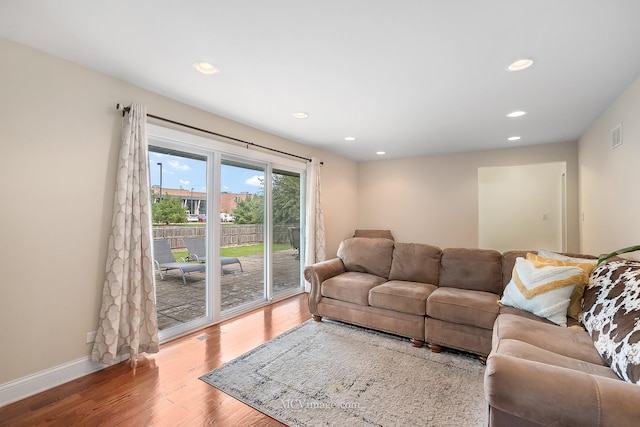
[
  {"x": 179, "y": 213},
  {"x": 286, "y": 231},
  {"x": 243, "y": 209},
  {"x": 242, "y": 232}
]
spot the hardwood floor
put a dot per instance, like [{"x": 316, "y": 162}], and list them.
[{"x": 164, "y": 389}]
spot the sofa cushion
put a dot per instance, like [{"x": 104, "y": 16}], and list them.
[
  {"x": 351, "y": 286},
  {"x": 544, "y": 291},
  {"x": 505, "y": 309},
  {"x": 572, "y": 343},
  {"x": 587, "y": 265},
  {"x": 367, "y": 255},
  {"x": 402, "y": 296},
  {"x": 524, "y": 350},
  {"x": 508, "y": 262},
  {"x": 473, "y": 269},
  {"x": 415, "y": 262},
  {"x": 539, "y": 394},
  {"x": 461, "y": 306},
  {"x": 613, "y": 316}
]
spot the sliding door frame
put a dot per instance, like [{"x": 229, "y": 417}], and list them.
[{"x": 215, "y": 151}]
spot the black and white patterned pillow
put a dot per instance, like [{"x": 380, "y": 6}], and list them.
[{"x": 612, "y": 316}]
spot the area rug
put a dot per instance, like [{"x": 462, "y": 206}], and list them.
[{"x": 329, "y": 373}]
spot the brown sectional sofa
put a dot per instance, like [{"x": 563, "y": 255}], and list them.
[
  {"x": 544, "y": 375},
  {"x": 537, "y": 372},
  {"x": 447, "y": 298},
  {"x": 353, "y": 288}
]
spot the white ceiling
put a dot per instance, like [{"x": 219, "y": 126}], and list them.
[{"x": 409, "y": 77}]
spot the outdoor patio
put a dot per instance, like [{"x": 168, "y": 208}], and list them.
[{"x": 178, "y": 303}]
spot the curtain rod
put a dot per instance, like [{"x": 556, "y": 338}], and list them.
[{"x": 126, "y": 110}]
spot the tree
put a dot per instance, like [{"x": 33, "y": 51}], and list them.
[
  {"x": 250, "y": 210},
  {"x": 286, "y": 203},
  {"x": 168, "y": 211},
  {"x": 286, "y": 199}
]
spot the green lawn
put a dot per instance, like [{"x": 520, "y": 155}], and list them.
[{"x": 240, "y": 251}]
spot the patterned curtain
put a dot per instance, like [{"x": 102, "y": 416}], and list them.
[
  {"x": 128, "y": 321},
  {"x": 314, "y": 247}
]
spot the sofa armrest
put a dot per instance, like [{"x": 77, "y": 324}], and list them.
[
  {"x": 555, "y": 396},
  {"x": 316, "y": 274}
]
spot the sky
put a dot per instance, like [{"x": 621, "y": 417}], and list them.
[{"x": 181, "y": 172}]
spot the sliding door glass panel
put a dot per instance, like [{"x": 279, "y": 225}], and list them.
[
  {"x": 179, "y": 210},
  {"x": 243, "y": 208},
  {"x": 285, "y": 196},
  {"x": 242, "y": 234}
]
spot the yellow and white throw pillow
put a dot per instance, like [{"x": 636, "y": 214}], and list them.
[
  {"x": 543, "y": 291},
  {"x": 587, "y": 265}
]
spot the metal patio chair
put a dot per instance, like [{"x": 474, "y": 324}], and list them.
[
  {"x": 198, "y": 252},
  {"x": 294, "y": 240},
  {"x": 164, "y": 259}
]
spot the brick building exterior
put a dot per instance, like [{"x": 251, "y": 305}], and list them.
[{"x": 195, "y": 201}]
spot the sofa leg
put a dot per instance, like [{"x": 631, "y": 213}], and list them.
[
  {"x": 416, "y": 343},
  {"x": 483, "y": 359},
  {"x": 435, "y": 348},
  {"x": 317, "y": 318}
]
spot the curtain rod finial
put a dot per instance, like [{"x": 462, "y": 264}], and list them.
[{"x": 123, "y": 108}]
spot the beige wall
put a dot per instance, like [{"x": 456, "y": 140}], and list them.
[
  {"x": 434, "y": 199},
  {"x": 60, "y": 135},
  {"x": 609, "y": 195}
]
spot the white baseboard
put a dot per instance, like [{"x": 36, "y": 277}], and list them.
[{"x": 32, "y": 384}]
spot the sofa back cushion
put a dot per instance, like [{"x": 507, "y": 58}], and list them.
[
  {"x": 416, "y": 262},
  {"x": 508, "y": 262},
  {"x": 473, "y": 269},
  {"x": 612, "y": 316},
  {"x": 367, "y": 255}
]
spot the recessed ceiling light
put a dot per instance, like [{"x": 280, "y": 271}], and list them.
[
  {"x": 520, "y": 64},
  {"x": 350, "y": 138},
  {"x": 513, "y": 138},
  {"x": 206, "y": 67},
  {"x": 516, "y": 114},
  {"x": 380, "y": 153},
  {"x": 300, "y": 115}
]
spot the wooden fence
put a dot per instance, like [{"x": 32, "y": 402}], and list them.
[{"x": 230, "y": 235}]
